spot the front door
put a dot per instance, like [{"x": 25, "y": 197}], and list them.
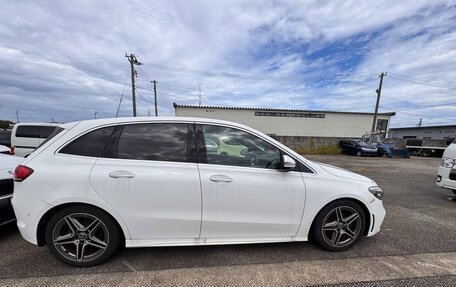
[{"x": 245, "y": 194}]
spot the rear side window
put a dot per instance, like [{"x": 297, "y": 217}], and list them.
[
  {"x": 90, "y": 144},
  {"x": 160, "y": 141},
  {"x": 34, "y": 131}
]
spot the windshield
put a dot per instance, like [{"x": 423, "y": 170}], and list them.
[
  {"x": 56, "y": 131},
  {"x": 363, "y": 144}
]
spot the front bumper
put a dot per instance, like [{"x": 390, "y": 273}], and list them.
[
  {"x": 377, "y": 213},
  {"x": 443, "y": 177},
  {"x": 6, "y": 210}
]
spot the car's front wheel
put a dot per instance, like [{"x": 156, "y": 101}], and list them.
[
  {"x": 82, "y": 236},
  {"x": 339, "y": 225}
]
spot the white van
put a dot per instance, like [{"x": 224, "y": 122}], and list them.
[
  {"x": 25, "y": 137},
  {"x": 446, "y": 176}
]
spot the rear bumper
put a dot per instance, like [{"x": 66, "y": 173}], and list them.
[
  {"x": 29, "y": 210},
  {"x": 443, "y": 178}
]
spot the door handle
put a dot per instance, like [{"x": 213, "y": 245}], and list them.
[
  {"x": 121, "y": 174},
  {"x": 220, "y": 178}
]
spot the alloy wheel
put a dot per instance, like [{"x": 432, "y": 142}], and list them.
[
  {"x": 341, "y": 226},
  {"x": 80, "y": 237}
]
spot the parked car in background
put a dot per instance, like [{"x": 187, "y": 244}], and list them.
[
  {"x": 5, "y": 138},
  {"x": 357, "y": 147},
  {"x": 7, "y": 164},
  {"x": 25, "y": 137},
  {"x": 446, "y": 175},
  {"x": 211, "y": 147},
  {"x": 100, "y": 184}
]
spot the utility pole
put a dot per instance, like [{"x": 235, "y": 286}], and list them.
[
  {"x": 379, "y": 92},
  {"x": 133, "y": 61},
  {"x": 199, "y": 95},
  {"x": 155, "y": 96},
  {"x": 95, "y": 114},
  {"x": 17, "y": 115},
  {"x": 421, "y": 122}
]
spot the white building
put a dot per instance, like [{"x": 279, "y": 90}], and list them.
[{"x": 287, "y": 122}]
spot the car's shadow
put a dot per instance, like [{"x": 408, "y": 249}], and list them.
[{"x": 8, "y": 230}]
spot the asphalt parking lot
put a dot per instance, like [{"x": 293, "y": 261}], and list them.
[{"x": 416, "y": 247}]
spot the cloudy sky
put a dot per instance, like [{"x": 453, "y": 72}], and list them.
[{"x": 67, "y": 61}]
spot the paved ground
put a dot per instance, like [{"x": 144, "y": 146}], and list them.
[{"x": 417, "y": 247}]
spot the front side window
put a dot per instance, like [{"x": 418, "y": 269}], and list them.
[
  {"x": 238, "y": 148},
  {"x": 157, "y": 141}
]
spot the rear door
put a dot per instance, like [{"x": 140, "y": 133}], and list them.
[{"x": 148, "y": 173}]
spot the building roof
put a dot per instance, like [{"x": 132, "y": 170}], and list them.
[
  {"x": 280, "y": 110},
  {"x": 425, "y": 127}
]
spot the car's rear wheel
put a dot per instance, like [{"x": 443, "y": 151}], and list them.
[
  {"x": 82, "y": 236},
  {"x": 339, "y": 225}
]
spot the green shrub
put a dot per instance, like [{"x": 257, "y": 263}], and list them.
[{"x": 327, "y": 149}]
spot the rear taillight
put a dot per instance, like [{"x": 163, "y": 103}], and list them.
[
  {"x": 12, "y": 150},
  {"x": 22, "y": 172}
]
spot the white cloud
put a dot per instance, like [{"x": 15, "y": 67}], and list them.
[{"x": 67, "y": 61}]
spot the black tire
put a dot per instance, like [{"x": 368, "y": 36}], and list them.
[
  {"x": 426, "y": 153},
  {"x": 106, "y": 234},
  {"x": 322, "y": 236}
]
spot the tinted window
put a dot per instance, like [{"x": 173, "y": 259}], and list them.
[
  {"x": 46, "y": 131},
  {"x": 56, "y": 131},
  {"x": 34, "y": 131},
  {"x": 239, "y": 148},
  {"x": 5, "y": 138},
  {"x": 161, "y": 142},
  {"x": 90, "y": 144}
]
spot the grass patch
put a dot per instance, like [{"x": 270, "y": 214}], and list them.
[{"x": 327, "y": 150}]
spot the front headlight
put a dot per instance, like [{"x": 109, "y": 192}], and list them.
[
  {"x": 376, "y": 191},
  {"x": 447, "y": 162}
]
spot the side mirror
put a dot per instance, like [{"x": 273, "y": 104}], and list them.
[{"x": 287, "y": 162}]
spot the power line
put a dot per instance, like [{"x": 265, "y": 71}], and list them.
[
  {"x": 143, "y": 97},
  {"x": 400, "y": 78},
  {"x": 247, "y": 76},
  {"x": 427, "y": 107},
  {"x": 444, "y": 84}
]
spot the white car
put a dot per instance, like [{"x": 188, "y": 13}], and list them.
[
  {"x": 4, "y": 149},
  {"x": 446, "y": 175},
  {"x": 100, "y": 184},
  {"x": 7, "y": 164},
  {"x": 25, "y": 137}
]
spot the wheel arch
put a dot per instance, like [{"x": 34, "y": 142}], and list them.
[
  {"x": 41, "y": 228},
  {"x": 360, "y": 203}
]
